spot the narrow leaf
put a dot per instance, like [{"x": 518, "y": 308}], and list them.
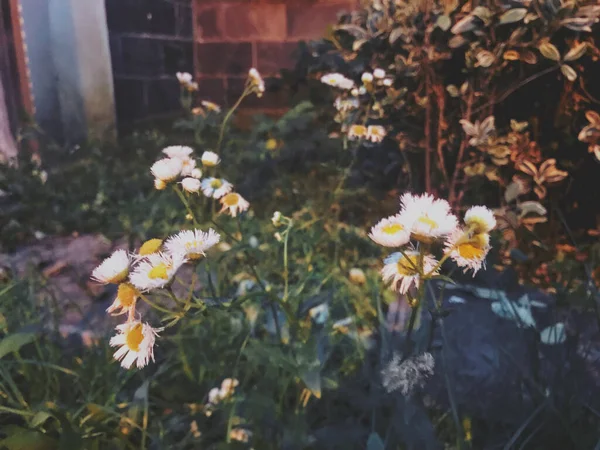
[{"x": 375, "y": 443}]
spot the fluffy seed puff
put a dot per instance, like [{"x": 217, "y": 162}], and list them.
[
  {"x": 234, "y": 203},
  {"x": 113, "y": 269},
  {"x": 136, "y": 342},
  {"x": 192, "y": 244},
  {"x": 390, "y": 232},
  {"x": 427, "y": 218},
  {"x": 156, "y": 271},
  {"x": 403, "y": 271},
  {"x": 216, "y": 187}
]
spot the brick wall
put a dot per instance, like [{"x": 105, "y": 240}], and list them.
[
  {"x": 218, "y": 40},
  {"x": 230, "y": 36},
  {"x": 150, "y": 41}
]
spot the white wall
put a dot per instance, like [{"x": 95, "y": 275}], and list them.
[{"x": 71, "y": 72}]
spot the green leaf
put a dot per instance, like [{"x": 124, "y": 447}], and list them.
[
  {"x": 39, "y": 418},
  {"x": 513, "y": 15},
  {"x": 23, "y": 439},
  {"x": 312, "y": 380},
  {"x": 375, "y": 443},
  {"x": 13, "y": 342}
]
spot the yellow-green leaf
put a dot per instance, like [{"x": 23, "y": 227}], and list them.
[
  {"x": 549, "y": 51},
  {"x": 513, "y": 15},
  {"x": 568, "y": 72}
]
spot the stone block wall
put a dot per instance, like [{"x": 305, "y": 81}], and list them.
[
  {"x": 230, "y": 36},
  {"x": 217, "y": 40}
]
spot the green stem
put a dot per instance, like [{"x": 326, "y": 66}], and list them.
[
  {"x": 186, "y": 204},
  {"x": 154, "y": 305},
  {"x": 285, "y": 261},
  {"x": 228, "y": 116}
]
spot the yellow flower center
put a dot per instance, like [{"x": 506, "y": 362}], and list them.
[
  {"x": 432, "y": 224},
  {"x": 473, "y": 248},
  {"x": 406, "y": 266},
  {"x": 191, "y": 249},
  {"x": 134, "y": 337},
  {"x": 358, "y": 130},
  {"x": 271, "y": 144},
  {"x": 121, "y": 276},
  {"x": 392, "y": 228},
  {"x": 231, "y": 199},
  {"x": 127, "y": 295},
  {"x": 150, "y": 246},
  {"x": 159, "y": 271},
  {"x": 216, "y": 184}
]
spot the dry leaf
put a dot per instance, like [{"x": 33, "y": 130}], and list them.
[
  {"x": 568, "y": 72},
  {"x": 549, "y": 51}
]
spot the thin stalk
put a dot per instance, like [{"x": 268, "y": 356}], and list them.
[{"x": 247, "y": 91}]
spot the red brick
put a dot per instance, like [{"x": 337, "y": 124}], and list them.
[
  {"x": 311, "y": 21},
  {"x": 223, "y": 58},
  {"x": 207, "y": 25},
  {"x": 254, "y": 21},
  {"x": 274, "y": 56},
  {"x": 212, "y": 89}
]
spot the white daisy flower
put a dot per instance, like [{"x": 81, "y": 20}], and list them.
[
  {"x": 167, "y": 169},
  {"x": 191, "y": 185},
  {"x": 480, "y": 219},
  {"x": 379, "y": 73},
  {"x": 156, "y": 271},
  {"x": 402, "y": 271},
  {"x": 211, "y": 106},
  {"x": 214, "y": 396},
  {"x": 228, "y": 388},
  {"x": 127, "y": 295},
  {"x": 388, "y": 82},
  {"x": 367, "y": 77},
  {"x": 178, "y": 151},
  {"x": 113, "y": 269},
  {"x": 390, "y": 232},
  {"x": 468, "y": 250},
  {"x": 136, "y": 342},
  {"x": 187, "y": 166},
  {"x": 184, "y": 77},
  {"x": 193, "y": 86},
  {"x": 257, "y": 81},
  {"x": 427, "y": 217},
  {"x": 344, "y": 105},
  {"x": 357, "y": 132},
  {"x": 337, "y": 80},
  {"x": 210, "y": 159},
  {"x": 192, "y": 244},
  {"x": 216, "y": 187},
  {"x": 234, "y": 203},
  {"x": 196, "y": 173},
  {"x": 375, "y": 133}
]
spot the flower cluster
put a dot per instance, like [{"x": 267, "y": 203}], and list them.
[
  {"x": 187, "y": 81},
  {"x": 179, "y": 164},
  {"x": 217, "y": 395},
  {"x": 422, "y": 222},
  {"x": 349, "y": 101},
  {"x": 152, "y": 268}
]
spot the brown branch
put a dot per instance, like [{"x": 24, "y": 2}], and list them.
[
  {"x": 461, "y": 153},
  {"x": 428, "y": 137},
  {"x": 439, "y": 90}
]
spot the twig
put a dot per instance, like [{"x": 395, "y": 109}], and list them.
[{"x": 461, "y": 152}]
